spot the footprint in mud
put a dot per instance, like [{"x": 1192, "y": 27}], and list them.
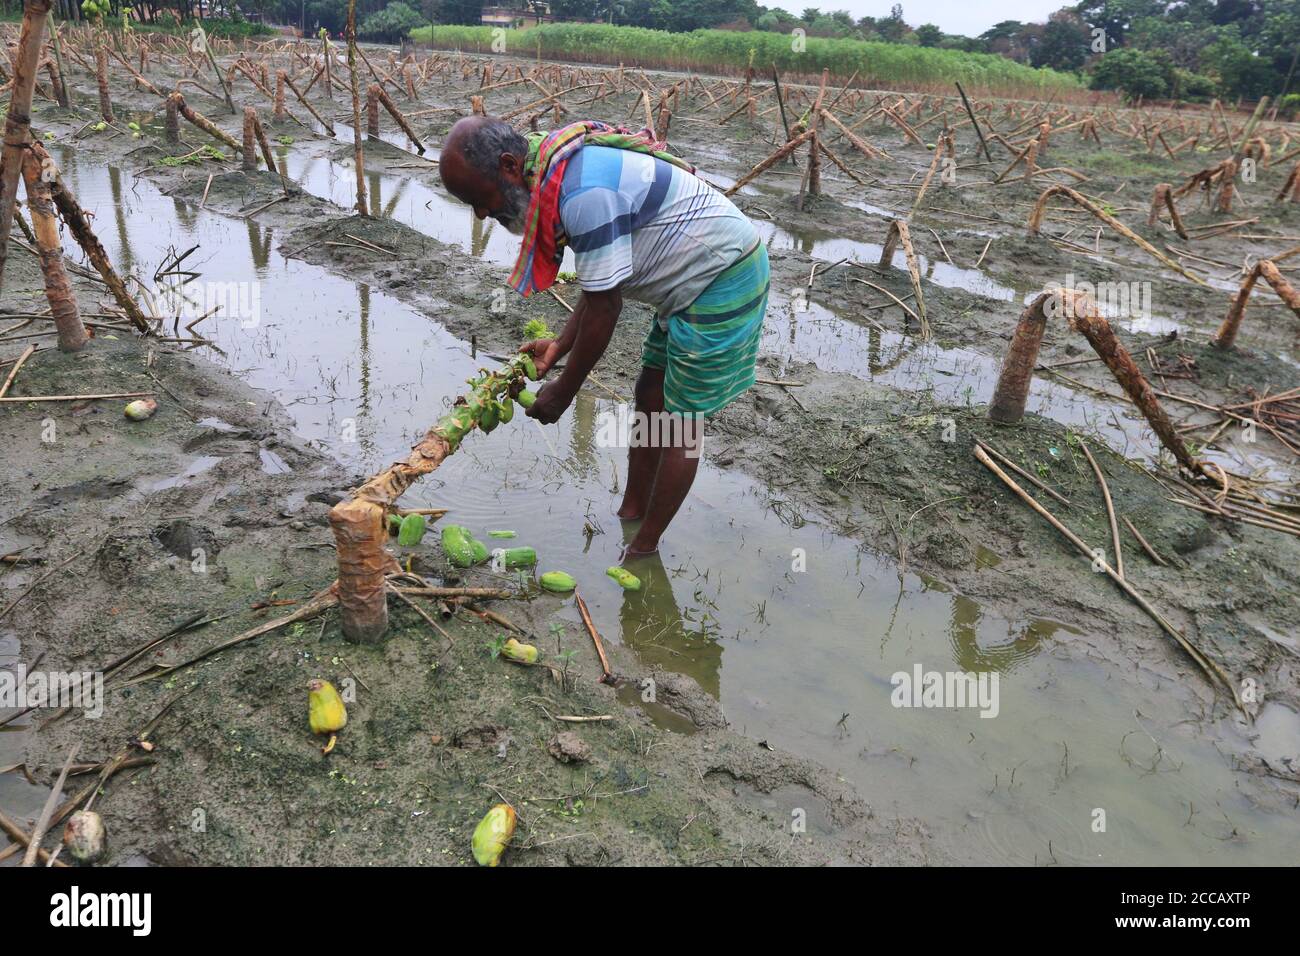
[
  {"x": 96, "y": 489},
  {"x": 183, "y": 539}
]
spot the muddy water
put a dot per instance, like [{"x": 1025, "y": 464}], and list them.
[
  {"x": 18, "y": 798},
  {"x": 796, "y": 630}
]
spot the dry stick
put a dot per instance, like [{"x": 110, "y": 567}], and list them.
[
  {"x": 897, "y": 301},
  {"x": 607, "y": 676},
  {"x": 1036, "y": 218},
  {"x": 812, "y": 178},
  {"x": 138, "y": 78},
  {"x": 329, "y": 127},
  {"x": 269, "y": 156},
  {"x": 74, "y": 398},
  {"x": 1211, "y": 670},
  {"x": 64, "y": 99},
  {"x": 401, "y": 595},
  {"x": 1163, "y": 198},
  {"x": 861, "y": 145},
  {"x": 20, "y": 837},
  {"x": 43, "y": 823},
  {"x": 321, "y": 601},
  {"x": 398, "y": 118},
  {"x": 225, "y": 89},
  {"x": 358, "y": 153},
  {"x": 13, "y": 372},
  {"x": 18, "y": 122},
  {"x": 785, "y": 122},
  {"x": 929, "y": 174},
  {"x": 898, "y": 232},
  {"x": 1151, "y": 552},
  {"x": 776, "y": 157},
  {"x": 1110, "y": 508},
  {"x": 1022, "y": 473},
  {"x": 458, "y": 592},
  {"x": 978, "y": 132}
]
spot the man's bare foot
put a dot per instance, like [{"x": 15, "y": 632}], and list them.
[{"x": 638, "y": 550}]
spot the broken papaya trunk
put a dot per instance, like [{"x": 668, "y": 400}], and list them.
[{"x": 358, "y": 523}]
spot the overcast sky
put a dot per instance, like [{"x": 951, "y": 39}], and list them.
[{"x": 966, "y": 17}]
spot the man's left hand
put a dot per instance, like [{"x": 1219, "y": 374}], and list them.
[{"x": 551, "y": 403}]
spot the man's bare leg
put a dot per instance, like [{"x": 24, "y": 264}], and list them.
[
  {"x": 643, "y": 461},
  {"x": 677, "y": 466}
]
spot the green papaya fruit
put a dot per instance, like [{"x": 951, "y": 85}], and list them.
[
  {"x": 411, "y": 531},
  {"x": 558, "y": 581},
  {"x": 625, "y": 578},
  {"x": 459, "y": 546},
  {"x": 518, "y": 557}
]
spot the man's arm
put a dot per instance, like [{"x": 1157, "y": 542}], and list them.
[
  {"x": 588, "y": 332},
  {"x": 547, "y": 353}
]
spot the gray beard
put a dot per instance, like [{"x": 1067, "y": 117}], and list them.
[{"x": 511, "y": 215}]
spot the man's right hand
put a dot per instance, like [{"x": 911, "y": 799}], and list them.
[{"x": 545, "y": 353}]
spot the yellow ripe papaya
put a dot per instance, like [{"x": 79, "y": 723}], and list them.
[
  {"x": 493, "y": 833},
  {"x": 326, "y": 712},
  {"x": 523, "y": 653}
]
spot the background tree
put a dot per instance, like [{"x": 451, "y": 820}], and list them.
[{"x": 927, "y": 34}]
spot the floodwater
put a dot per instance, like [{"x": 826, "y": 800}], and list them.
[{"x": 796, "y": 630}]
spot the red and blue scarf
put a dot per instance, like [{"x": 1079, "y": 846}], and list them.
[{"x": 543, "y": 240}]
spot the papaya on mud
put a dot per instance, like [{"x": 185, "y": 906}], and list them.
[{"x": 462, "y": 549}]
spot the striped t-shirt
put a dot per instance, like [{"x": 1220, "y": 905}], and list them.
[{"x": 648, "y": 226}]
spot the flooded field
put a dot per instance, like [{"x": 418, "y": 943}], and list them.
[{"x": 793, "y": 612}]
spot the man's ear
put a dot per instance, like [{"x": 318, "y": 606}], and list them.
[{"x": 511, "y": 167}]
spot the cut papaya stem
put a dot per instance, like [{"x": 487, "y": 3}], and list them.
[{"x": 359, "y": 522}]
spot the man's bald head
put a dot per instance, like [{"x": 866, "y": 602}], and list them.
[{"x": 482, "y": 164}]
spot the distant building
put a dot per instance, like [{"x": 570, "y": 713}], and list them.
[{"x": 523, "y": 16}]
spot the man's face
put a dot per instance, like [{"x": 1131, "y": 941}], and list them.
[
  {"x": 503, "y": 197},
  {"x": 514, "y": 206}
]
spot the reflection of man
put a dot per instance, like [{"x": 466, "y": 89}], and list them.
[
  {"x": 653, "y": 625},
  {"x": 640, "y": 224}
]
